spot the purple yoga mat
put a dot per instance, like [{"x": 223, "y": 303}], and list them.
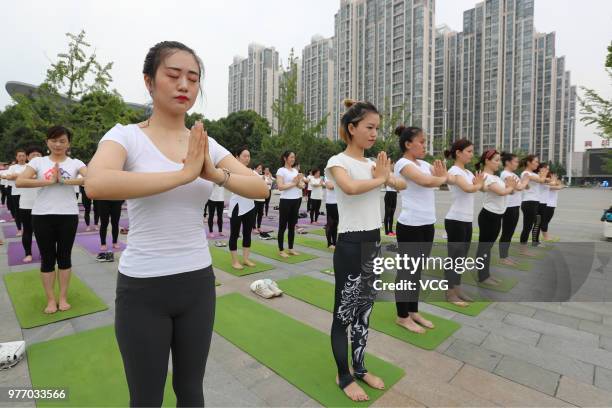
[
  {"x": 10, "y": 231},
  {"x": 16, "y": 254},
  {"x": 91, "y": 242},
  {"x": 6, "y": 216}
]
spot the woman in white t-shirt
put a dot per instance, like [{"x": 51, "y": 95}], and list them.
[
  {"x": 259, "y": 203},
  {"x": 415, "y": 224},
  {"x": 14, "y": 191},
  {"x": 551, "y": 203},
  {"x": 390, "y": 201},
  {"x": 166, "y": 285},
  {"x": 288, "y": 180},
  {"x": 215, "y": 204},
  {"x": 55, "y": 213},
  {"x": 269, "y": 179},
  {"x": 316, "y": 195},
  {"x": 26, "y": 202},
  {"x": 458, "y": 221},
  {"x": 3, "y": 181},
  {"x": 531, "y": 198},
  {"x": 494, "y": 207},
  {"x": 358, "y": 181},
  {"x": 542, "y": 199},
  {"x": 513, "y": 204},
  {"x": 331, "y": 213},
  {"x": 242, "y": 214}
]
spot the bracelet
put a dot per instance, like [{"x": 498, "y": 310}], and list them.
[{"x": 226, "y": 174}]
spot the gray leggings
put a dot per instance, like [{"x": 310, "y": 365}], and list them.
[{"x": 159, "y": 314}]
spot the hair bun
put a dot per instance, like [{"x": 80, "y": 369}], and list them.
[
  {"x": 399, "y": 130},
  {"x": 447, "y": 154},
  {"x": 349, "y": 102}
]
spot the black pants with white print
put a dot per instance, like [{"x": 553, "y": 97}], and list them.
[{"x": 354, "y": 299}]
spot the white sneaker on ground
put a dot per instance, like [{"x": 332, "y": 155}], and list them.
[
  {"x": 273, "y": 287},
  {"x": 11, "y": 353},
  {"x": 261, "y": 289}
]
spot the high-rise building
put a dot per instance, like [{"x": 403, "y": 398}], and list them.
[
  {"x": 383, "y": 53},
  {"x": 544, "y": 96},
  {"x": 317, "y": 82},
  {"x": 254, "y": 81}
]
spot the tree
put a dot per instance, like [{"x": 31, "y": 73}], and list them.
[
  {"x": 70, "y": 74},
  {"x": 597, "y": 110}
]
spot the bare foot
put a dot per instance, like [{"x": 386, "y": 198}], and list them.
[
  {"x": 293, "y": 252},
  {"x": 507, "y": 261},
  {"x": 27, "y": 259},
  {"x": 283, "y": 254},
  {"x": 463, "y": 296},
  {"x": 248, "y": 262},
  {"x": 103, "y": 248},
  {"x": 374, "y": 381},
  {"x": 490, "y": 281},
  {"x": 96, "y": 228},
  {"x": 51, "y": 307},
  {"x": 421, "y": 320},
  {"x": 237, "y": 265},
  {"x": 410, "y": 324},
  {"x": 525, "y": 252},
  {"x": 64, "y": 305},
  {"x": 117, "y": 246},
  {"x": 19, "y": 233},
  {"x": 88, "y": 228},
  {"x": 456, "y": 300},
  {"x": 354, "y": 391},
  {"x": 332, "y": 247}
]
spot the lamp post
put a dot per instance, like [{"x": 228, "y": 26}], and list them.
[{"x": 571, "y": 149}]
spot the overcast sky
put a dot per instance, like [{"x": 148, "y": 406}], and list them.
[{"x": 32, "y": 34}]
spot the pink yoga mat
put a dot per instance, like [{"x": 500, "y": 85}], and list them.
[
  {"x": 16, "y": 254},
  {"x": 91, "y": 242}
]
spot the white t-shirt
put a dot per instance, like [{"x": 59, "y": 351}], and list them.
[
  {"x": 287, "y": 176},
  {"x": 56, "y": 198},
  {"x": 244, "y": 204},
  {"x": 544, "y": 189},
  {"x": 532, "y": 192},
  {"x": 494, "y": 202},
  {"x": 167, "y": 233},
  {"x": 356, "y": 212},
  {"x": 389, "y": 188},
  {"x": 15, "y": 169},
  {"x": 218, "y": 193},
  {"x": 418, "y": 202},
  {"x": 462, "y": 208},
  {"x": 309, "y": 178},
  {"x": 3, "y": 182},
  {"x": 262, "y": 177},
  {"x": 552, "y": 198},
  {"x": 28, "y": 198},
  {"x": 316, "y": 186},
  {"x": 514, "y": 199},
  {"x": 269, "y": 181},
  {"x": 330, "y": 195}
]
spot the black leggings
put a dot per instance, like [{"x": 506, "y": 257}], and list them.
[
  {"x": 3, "y": 191},
  {"x": 55, "y": 236},
  {"x": 415, "y": 241},
  {"x": 267, "y": 202},
  {"x": 509, "y": 221},
  {"x": 259, "y": 211},
  {"x": 26, "y": 238},
  {"x": 331, "y": 228},
  {"x": 246, "y": 220},
  {"x": 287, "y": 220},
  {"x": 459, "y": 235},
  {"x": 548, "y": 214},
  {"x": 354, "y": 297},
  {"x": 15, "y": 210},
  {"x": 309, "y": 201},
  {"x": 215, "y": 206},
  {"x": 159, "y": 314},
  {"x": 9, "y": 204},
  {"x": 109, "y": 209},
  {"x": 390, "y": 204},
  {"x": 490, "y": 225},
  {"x": 530, "y": 213},
  {"x": 87, "y": 204},
  {"x": 315, "y": 208}
]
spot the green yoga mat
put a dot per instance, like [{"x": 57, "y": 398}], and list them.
[
  {"x": 271, "y": 251},
  {"x": 223, "y": 260},
  {"x": 321, "y": 294},
  {"x": 318, "y": 231},
  {"x": 89, "y": 366},
  {"x": 468, "y": 278},
  {"x": 29, "y": 299},
  {"x": 295, "y": 351},
  {"x": 438, "y": 298},
  {"x": 313, "y": 243}
]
